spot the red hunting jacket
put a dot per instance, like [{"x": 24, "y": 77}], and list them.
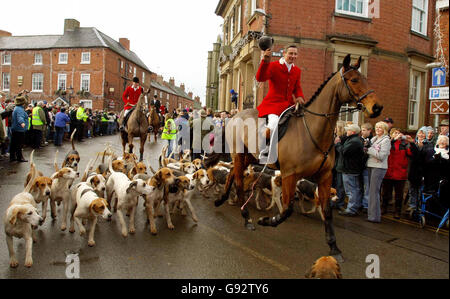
[
  {"x": 282, "y": 86},
  {"x": 130, "y": 97}
]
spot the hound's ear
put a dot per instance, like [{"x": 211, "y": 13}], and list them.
[
  {"x": 358, "y": 63},
  {"x": 346, "y": 63},
  {"x": 14, "y": 214},
  {"x": 131, "y": 186},
  {"x": 195, "y": 175}
]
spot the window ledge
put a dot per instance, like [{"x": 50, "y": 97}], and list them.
[
  {"x": 358, "y": 18},
  {"x": 85, "y": 62},
  {"x": 419, "y": 34},
  {"x": 62, "y": 62},
  {"x": 6, "y": 63}
]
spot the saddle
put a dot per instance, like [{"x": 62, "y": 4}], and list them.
[{"x": 126, "y": 117}]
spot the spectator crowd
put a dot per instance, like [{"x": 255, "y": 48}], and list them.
[{"x": 371, "y": 163}]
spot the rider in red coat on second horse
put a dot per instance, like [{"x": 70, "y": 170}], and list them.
[
  {"x": 284, "y": 86},
  {"x": 130, "y": 98}
]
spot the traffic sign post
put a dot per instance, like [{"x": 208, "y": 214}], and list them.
[{"x": 439, "y": 76}]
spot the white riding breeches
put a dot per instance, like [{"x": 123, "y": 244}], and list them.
[
  {"x": 272, "y": 122},
  {"x": 126, "y": 112}
]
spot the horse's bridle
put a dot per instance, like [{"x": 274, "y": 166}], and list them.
[
  {"x": 359, "y": 106},
  {"x": 357, "y": 99}
]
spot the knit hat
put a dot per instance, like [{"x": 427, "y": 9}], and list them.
[{"x": 20, "y": 101}]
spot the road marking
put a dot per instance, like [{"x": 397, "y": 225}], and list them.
[
  {"x": 415, "y": 224},
  {"x": 247, "y": 250}
]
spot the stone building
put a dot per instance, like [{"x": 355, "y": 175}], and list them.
[
  {"x": 212, "y": 80},
  {"x": 394, "y": 38},
  {"x": 83, "y": 64}
]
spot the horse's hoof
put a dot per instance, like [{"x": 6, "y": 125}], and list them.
[
  {"x": 267, "y": 221},
  {"x": 339, "y": 258},
  {"x": 250, "y": 226},
  {"x": 219, "y": 202}
]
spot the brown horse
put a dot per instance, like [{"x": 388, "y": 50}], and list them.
[
  {"x": 154, "y": 121},
  {"x": 137, "y": 126},
  {"x": 306, "y": 150}
]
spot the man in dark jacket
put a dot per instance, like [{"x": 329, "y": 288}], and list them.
[{"x": 351, "y": 166}]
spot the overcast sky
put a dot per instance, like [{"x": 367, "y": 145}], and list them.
[{"x": 172, "y": 37}]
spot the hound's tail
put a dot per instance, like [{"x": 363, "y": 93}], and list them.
[
  {"x": 87, "y": 170},
  {"x": 161, "y": 157},
  {"x": 33, "y": 175},
  {"x": 110, "y": 166},
  {"x": 214, "y": 158},
  {"x": 54, "y": 162},
  {"x": 71, "y": 138}
]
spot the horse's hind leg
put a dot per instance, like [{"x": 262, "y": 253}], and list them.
[
  {"x": 240, "y": 164},
  {"x": 324, "y": 195},
  {"x": 130, "y": 144},
  {"x": 288, "y": 185},
  {"x": 141, "y": 148}
]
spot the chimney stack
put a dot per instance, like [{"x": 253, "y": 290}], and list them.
[
  {"x": 4, "y": 33},
  {"x": 125, "y": 42},
  {"x": 71, "y": 25},
  {"x": 160, "y": 79},
  {"x": 190, "y": 94},
  {"x": 182, "y": 86},
  {"x": 172, "y": 81}
]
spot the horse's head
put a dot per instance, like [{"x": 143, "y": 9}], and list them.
[
  {"x": 357, "y": 89},
  {"x": 143, "y": 102}
]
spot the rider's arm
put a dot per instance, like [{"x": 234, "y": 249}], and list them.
[
  {"x": 298, "y": 91},
  {"x": 264, "y": 72},
  {"x": 125, "y": 95}
]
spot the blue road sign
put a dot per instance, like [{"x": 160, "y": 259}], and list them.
[{"x": 438, "y": 76}]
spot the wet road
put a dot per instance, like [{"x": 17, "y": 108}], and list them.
[{"x": 218, "y": 246}]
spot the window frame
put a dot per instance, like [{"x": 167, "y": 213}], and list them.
[
  {"x": 8, "y": 82},
  {"x": 61, "y": 61},
  {"x": 143, "y": 77},
  {"x": 4, "y": 58},
  {"x": 89, "y": 82},
  {"x": 33, "y": 82},
  {"x": 363, "y": 14},
  {"x": 37, "y": 55},
  {"x": 415, "y": 94},
  {"x": 59, "y": 81},
  {"x": 88, "y": 61},
  {"x": 424, "y": 21}
]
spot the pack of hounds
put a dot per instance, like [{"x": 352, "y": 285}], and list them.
[{"x": 116, "y": 183}]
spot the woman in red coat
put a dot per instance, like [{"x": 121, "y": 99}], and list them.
[
  {"x": 284, "y": 85},
  {"x": 397, "y": 172}
]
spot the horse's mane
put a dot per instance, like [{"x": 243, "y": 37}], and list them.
[{"x": 316, "y": 94}]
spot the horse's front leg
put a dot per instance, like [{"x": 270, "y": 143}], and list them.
[
  {"x": 288, "y": 192},
  {"x": 327, "y": 216}
]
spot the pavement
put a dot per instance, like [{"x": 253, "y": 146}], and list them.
[{"x": 218, "y": 246}]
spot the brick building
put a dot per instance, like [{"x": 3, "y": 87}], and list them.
[
  {"x": 172, "y": 96},
  {"x": 83, "y": 64},
  {"x": 394, "y": 38}
]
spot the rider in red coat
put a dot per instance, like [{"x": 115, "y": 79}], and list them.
[
  {"x": 284, "y": 86},
  {"x": 130, "y": 98},
  {"x": 284, "y": 83}
]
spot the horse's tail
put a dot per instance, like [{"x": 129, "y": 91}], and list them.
[
  {"x": 229, "y": 183},
  {"x": 214, "y": 158}
]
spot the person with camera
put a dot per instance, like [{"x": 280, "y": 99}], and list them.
[{"x": 397, "y": 173}]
